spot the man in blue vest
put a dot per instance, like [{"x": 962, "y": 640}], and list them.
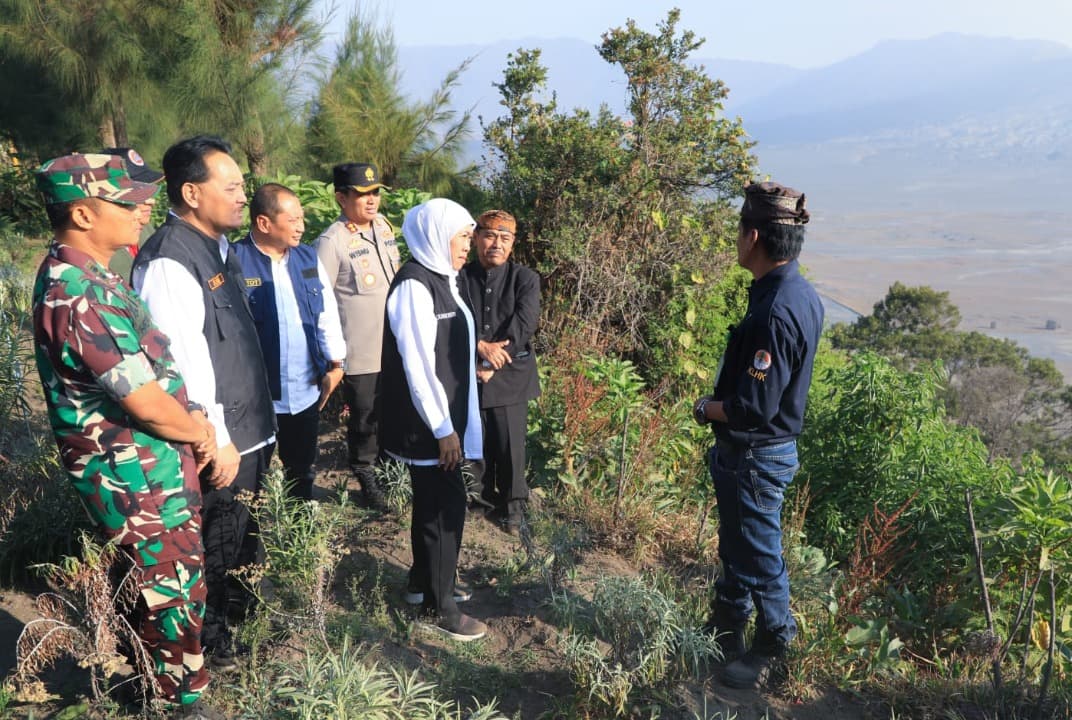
[
  {"x": 297, "y": 322},
  {"x": 191, "y": 281}
]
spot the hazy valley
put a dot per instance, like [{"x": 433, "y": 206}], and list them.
[{"x": 941, "y": 162}]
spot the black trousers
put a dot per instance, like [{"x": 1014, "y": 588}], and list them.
[
  {"x": 230, "y": 536},
  {"x": 297, "y": 443},
  {"x": 436, "y": 535},
  {"x": 359, "y": 392},
  {"x": 502, "y": 472}
]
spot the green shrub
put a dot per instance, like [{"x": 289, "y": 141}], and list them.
[
  {"x": 21, "y": 206},
  {"x": 16, "y": 354},
  {"x": 636, "y": 636},
  {"x": 303, "y": 543},
  {"x": 878, "y": 437},
  {"x": 344, "y": 685},
  {"x": 318, "y": 201}
]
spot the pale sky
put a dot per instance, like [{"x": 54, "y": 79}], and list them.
[{"x": 802, "y": 33}]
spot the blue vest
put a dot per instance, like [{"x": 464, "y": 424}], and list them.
[{"x": 308, "y": 291}]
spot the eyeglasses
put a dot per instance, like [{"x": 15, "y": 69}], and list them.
[{"x": 507, "y": 237}]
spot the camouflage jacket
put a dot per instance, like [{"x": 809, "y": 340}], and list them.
[{"x": 95, "y": 343}]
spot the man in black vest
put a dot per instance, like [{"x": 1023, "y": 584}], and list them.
[
  {"x": 298, "y": 324},
  {"x": 191, "y": 280},
  {"x": 505, "y": 300}
]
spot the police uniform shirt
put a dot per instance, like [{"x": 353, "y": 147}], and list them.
[
  {"x": 360, "y": 266},
  {"x": 767, "y": 367}
]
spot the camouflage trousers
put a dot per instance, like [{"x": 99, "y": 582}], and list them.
[{"x": 170, "y": 610}]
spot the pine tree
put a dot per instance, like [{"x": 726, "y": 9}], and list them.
[
  {"x": 361, "y": 114},
  {"x": 89, "y": 51}
]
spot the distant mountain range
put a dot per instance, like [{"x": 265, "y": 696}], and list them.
[{"x": 909, "y": 124}]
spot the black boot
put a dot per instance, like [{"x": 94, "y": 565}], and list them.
[
  {"x": 372, "y": 495},
  {"x": 751, "y": 670},
  {"x": 729, "y": 635}
]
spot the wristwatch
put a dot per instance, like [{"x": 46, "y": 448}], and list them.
[
  {"x": 191, "y": 406},
  {"x": 337, "y": 365},
  {"x": 699, "y": 411}
]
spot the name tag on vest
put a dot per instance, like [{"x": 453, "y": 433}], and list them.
[
  {"x": 446, "y": 315},
  {"x": 215, "y": 282},
  {"x": 253, "y": 282},
  {"x": 309, "y": 273}
]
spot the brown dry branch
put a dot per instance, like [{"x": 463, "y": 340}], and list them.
[
  {"x": 85, "y": 617},
  {"x": 580, "y": 424},
  {"x": 642, "y": 453},
  {"x": 875, "y": 555}
]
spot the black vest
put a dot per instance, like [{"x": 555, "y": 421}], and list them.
[
  {"x": 402, "y": 431},
  {"x": 241, "y": 381}
]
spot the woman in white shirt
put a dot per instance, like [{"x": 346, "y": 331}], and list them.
[{"x": 429, "y": 412}]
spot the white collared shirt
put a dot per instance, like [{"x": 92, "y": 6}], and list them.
[{"x": 298, "y": 383}]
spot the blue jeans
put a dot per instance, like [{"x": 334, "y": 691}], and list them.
[{"x": 749, "y": 486}]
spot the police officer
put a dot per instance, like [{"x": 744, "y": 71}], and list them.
[
  {"x": 360, "y": 256},
  {"x": 120, "y": 413},
  {"x": 756, "y": 411}
]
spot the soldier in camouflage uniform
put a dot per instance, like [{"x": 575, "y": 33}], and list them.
[{"x": 128, "y": 439}]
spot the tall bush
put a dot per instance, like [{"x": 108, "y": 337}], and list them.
[
  {"x": 876, "y": 436},
  {"x": 618, "y": 214}
]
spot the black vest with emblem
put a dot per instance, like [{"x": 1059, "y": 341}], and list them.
[
  {"x": 402, "y": 431},
  {"x": 241, "y": 380}
]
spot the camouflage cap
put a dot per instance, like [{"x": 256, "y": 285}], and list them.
[{"x": 83, "y": 175}]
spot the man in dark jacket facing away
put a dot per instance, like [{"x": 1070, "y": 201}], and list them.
[
  {"x": 505, "y": 300},
  {"x": 757, "y": 411}
]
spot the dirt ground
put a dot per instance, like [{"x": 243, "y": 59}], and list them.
[
  {"x": 519, "y": 663},
  {"x": 1005, "y": 271}
]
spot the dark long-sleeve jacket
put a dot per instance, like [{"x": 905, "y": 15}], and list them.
[
  {"x": 505, "y": 302},
  {"x": 767, "y": 367}
]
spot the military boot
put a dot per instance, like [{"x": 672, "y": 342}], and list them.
[{"x": 752, "y": 670}]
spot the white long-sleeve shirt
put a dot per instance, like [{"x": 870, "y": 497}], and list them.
[
  {"x": 412, "y": 318},
  {"x": 177, "y": 305},
  {"x": 299, "y": 385}
]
